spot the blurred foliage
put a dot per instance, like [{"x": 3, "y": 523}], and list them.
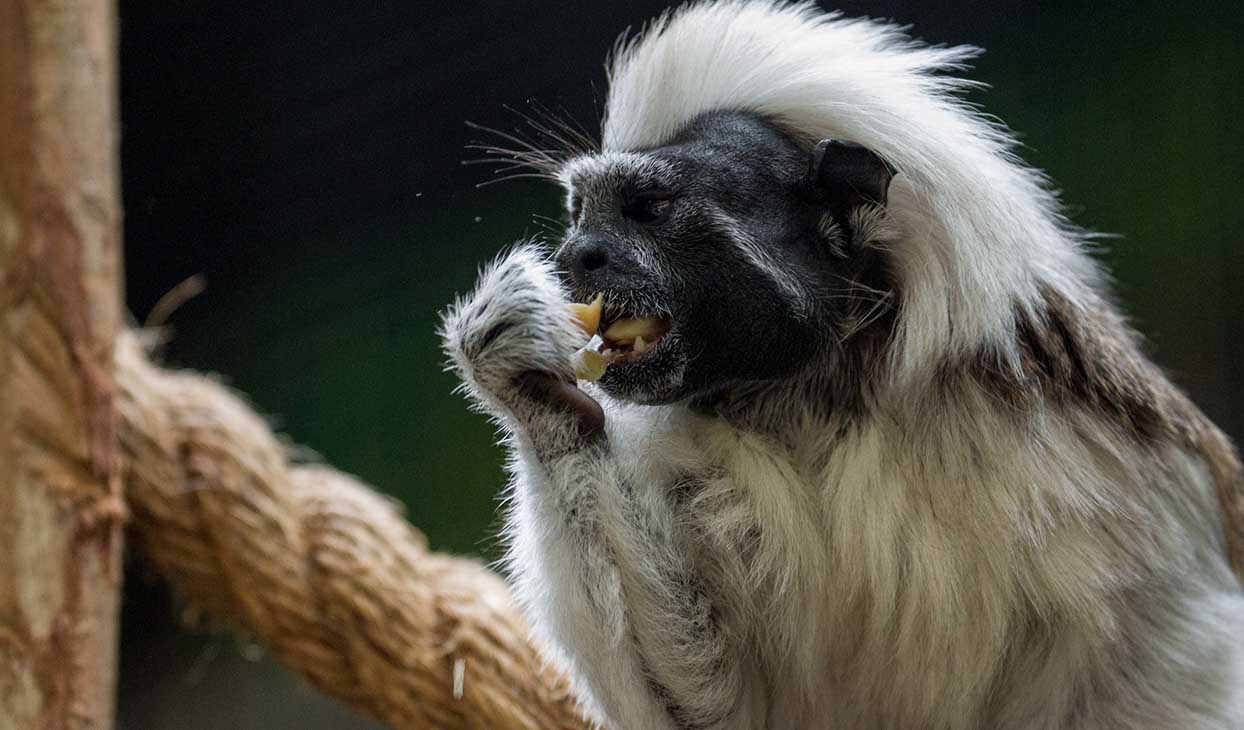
[{"x": 305, "y": 159}]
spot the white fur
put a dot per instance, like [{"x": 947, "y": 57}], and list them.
[
  {"x": 887, "y": 578},
  {"x": 979, "y": 229}
]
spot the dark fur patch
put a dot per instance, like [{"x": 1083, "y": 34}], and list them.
[
  {"x": 851, "y": 357},
  {"x": 683, "y": 718},
  {"x": 691, "y": 600},
  {"x": 703, "y": 624},
  {"x": 1088, "y": 356},
  {"x": 1092, "y": 357}
]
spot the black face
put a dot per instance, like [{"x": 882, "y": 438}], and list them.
[{"x": 721, "y": 235}]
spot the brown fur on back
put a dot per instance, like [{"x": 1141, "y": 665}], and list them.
[{"x": 1090, "y": 355}]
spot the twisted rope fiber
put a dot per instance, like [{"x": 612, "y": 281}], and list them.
[{"x": 320, "y": 568}]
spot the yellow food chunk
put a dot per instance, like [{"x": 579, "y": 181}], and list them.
[
  {"x": 625, "y": 330},
  {"x": 589, "y": 365},
  {"x": 587, "y": 316}
]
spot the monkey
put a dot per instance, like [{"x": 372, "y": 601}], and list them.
[{"x": 887, "y": 455}]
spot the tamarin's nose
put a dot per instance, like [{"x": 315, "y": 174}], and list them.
[
  {"x": 593, "y": 258},
  {"x": 584, "y": 256}
]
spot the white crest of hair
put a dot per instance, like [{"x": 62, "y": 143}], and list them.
[{"x": 979, "y": 230}]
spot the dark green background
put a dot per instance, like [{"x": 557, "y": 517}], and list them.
[{"x": 304, "y": 157}]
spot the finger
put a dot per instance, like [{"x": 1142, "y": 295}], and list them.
[{"x": 589, "y": 416}]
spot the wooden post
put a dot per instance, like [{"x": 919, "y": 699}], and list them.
[{"x": 60, "y": 504}]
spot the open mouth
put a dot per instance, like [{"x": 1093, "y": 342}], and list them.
[
  {"x": 617, "y": 338},
  {"x": 632, "y": 338}
]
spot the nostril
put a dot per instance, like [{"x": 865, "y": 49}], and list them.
[{"x": 594, "y": 258}]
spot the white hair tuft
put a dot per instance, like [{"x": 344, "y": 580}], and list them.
[{"x": 980, "y": 232}]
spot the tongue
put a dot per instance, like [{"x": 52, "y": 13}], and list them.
[{"x": 627, "y": 329}]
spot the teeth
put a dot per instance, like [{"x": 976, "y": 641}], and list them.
[
  {"x": 587, "y": 316},
  {"x": 628, "y": 329},
  {"x": 634, "y": 335}
]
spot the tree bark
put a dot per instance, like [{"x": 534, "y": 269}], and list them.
[{"x": 60, "y": 504}]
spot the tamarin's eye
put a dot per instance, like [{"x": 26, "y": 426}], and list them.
[
  {"x": 576, "y": 207},
  {"x": 648, "y": 207}
]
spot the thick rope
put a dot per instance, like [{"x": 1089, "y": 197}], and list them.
[{"x": 320, "y": 568}]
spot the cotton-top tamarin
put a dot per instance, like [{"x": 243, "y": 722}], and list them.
[{"x": 873, "y": 448}]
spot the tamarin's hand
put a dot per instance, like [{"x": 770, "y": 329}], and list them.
[{"x": 512, "y": 340}]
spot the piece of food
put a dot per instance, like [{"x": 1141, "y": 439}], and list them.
[
  {"x": 587, "y": 316},
  {"x": 589, "y": 365},
  {"x": 626, "y": 330},
  {"x": 624, "y": 340}
]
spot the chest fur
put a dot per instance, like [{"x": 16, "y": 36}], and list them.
[{"x": 879, "y": 564}]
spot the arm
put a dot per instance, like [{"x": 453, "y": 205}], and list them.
[{"x": 596, "y": 553}]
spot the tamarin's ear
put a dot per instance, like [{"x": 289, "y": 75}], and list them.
[{"x": 846, "y": 175}]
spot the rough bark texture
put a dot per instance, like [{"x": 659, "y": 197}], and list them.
[{"x": 60, "y": 532}]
